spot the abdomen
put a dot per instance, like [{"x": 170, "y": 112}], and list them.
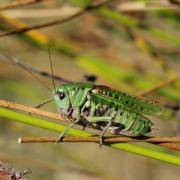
[{"x": 124, "y": 122}]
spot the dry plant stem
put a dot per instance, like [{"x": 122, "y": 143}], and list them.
[
  {"x": 159, "y": 86},
  {"x": 172, "y": 146},
  {"x": 19, "y": 3},
  {"x": 105, "y": 139},
  {"x": 31, "y": 110},
  {"x": 56, "y": 22},
  {"x": 167, "y": 142}
]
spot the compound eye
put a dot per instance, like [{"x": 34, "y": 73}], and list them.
[{"x": 61, "y": 95}]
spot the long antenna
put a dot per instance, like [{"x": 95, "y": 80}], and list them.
[
  {"x": 37, "y": 71},
  {"x": 50, "y": 60},
  {"x": 42, "y": 104},
  {"x": 15, "y": 61}
]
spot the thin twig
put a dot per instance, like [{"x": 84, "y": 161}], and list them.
[
  {"x": 172, "y": 146},
  {"x": 56, "y": 22},
  {"x": 162, "y": 141},
  {"x": 105, "y": 139},
  {"x": 159, "y": 86},
  {"x": 19, "y": 3},
  {"x": 31, "y": 110}
]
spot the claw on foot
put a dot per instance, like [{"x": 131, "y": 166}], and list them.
[{"x": 59, "y": 138}]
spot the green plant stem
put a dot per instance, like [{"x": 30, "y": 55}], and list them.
[
  {"x": 148, "y": 153},
  {"x": 39, "y": 122}
]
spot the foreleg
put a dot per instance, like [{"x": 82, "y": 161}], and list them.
[{"x": 66, "y": 129}]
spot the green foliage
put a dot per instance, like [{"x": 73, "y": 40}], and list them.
[{"x": 119, "y": 17}]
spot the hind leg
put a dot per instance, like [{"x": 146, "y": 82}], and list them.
[
  {"x": 96, "y": 119},
  {"x": 104, "y": 131}
]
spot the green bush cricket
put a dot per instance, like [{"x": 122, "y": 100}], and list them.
[{"x": 100, "y": 107}]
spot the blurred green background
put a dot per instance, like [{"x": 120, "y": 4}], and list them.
[{"x": 129, "y": 45}]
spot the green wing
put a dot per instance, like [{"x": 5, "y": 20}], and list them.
[{"x": 125, "y": 101}]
